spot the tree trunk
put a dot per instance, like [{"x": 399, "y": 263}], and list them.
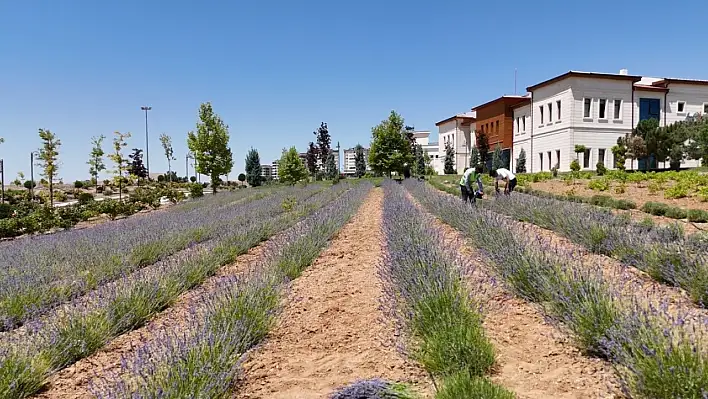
[{"x": 51, "y": 193}]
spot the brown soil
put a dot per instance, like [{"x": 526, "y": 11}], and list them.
[
  {"x": 534, "y": 359},
  {"x": 331, "y": 332},
  {"x": 688, "y": 227},
  {"x": 74, "y": 381},
  {"x": 637, "y": 192}
]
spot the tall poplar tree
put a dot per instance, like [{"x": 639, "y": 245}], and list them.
[{"x": 210, "y": 146}]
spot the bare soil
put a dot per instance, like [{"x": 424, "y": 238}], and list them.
[
  {"x": 534, "y": 359},
  {"x": 332, "y": 332},
  {"x": 637, "y": 192}
]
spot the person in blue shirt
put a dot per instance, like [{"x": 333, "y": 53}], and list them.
[{"x": 470, "y": 175}]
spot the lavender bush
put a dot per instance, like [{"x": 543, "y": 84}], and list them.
[
  {"x": 113, "y": 309},
  {"x": 201, "y": 360},
  {"x": 37, "y": 273},
  {"x": 426, "y": 295},
  {"x": 656, "y": 354},
  {"x": 663, "y": 252},
  {"x": 373, "y": 389}
]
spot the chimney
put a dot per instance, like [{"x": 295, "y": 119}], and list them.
[{"x": 624, "y": 72}]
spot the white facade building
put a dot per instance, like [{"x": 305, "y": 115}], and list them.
[
  {"x": 422, "y": 137},
  {"x": 459, "y": 131},
  {"x": 350, "y": 161},
  {"x": 594, "y": 110}
]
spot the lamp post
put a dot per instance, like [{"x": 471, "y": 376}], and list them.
[
  {"x": 2, "y": 179},
  {"x": 186, "y": 163},
  {"x": 147, "y": 147},
  {"x": 32, "y": 174}
]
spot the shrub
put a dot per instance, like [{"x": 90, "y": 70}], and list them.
[
  {"x": 85, "y": 198},
  {"x": 375, "y": 388},
  {"x": 599, "y": 184},
  {"x": 461, "y": 385},
  {"x": 697, "y": 216},
  {"x": 196, "y": 190},
  {"x": 143, "y": 196},
  {"x": 655, "y": 208},
  {"x": 107, "y": 191},
  {"x": 602, "y": 200},
  {"x": 654, "y": 187},
  {"x": 675, "y": 212},
  {"x": 600, "y": 168},
  {"x": 621, "y": 188},
  {"x": 5, "y": 211},
  {"x": 703, "y": 194},
  {"x": 625, "y": 204},
  {"x": 676, "y": 191},
  {"x": 160, "y": 178},
  {"x": 78, "y": 184},
  {"x": 575, "y": 165}
]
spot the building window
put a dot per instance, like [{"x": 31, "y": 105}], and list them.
[
  {"x": 586, "y": 158},
  {"x": 603, "y": 107},
  {"x": 681, "y": 107},
  {"x": 601, "y": 155},
  {"x": 558, "y": 158},
  {"x": 518, "y": 125},
  {"x": 497, "y": 127},
  {"x": 523, "y": 121},
  {"x": 705, "y": 108},
  {"x": 558, "y": 112},
  {"x": 541, "y": 110},
  {"x": 587, "y": 107},
  {"x": 618, "y": 109},
  {"x": 550, "y": 113},
  {"x": 540, "y": 155},
  {"x": 549, "y": 159}
]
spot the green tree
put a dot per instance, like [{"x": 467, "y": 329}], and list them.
[
  {"x": 137, "y": 167},
  {"x": 49, "y": 159},
  {"x": 331, "y": 169},
  {"x": 359, "y": 161},
  {"x": 210, "y": 145},
  {"x": 324, "y": 143},
  {"x": 474, "y": 157},
  {"x": 483, "y": 148},
  {"x": 429, "y": 170},
  {"x": 166, "y": 142},
  {"x": 390, "y": 149},
  {"x": 579, "y": 149},
  {"x": 253, "y": 168},
  {"x": 521, "y": 162},
  {"x": 636, "y": 148},
  {"x": 290, "y": 167},
  {"x": 95, "y": 162},
  {"x": 311, "y": 158},
  {"x": 449, "y": 168},
  {"x": 419, "y": 160},
  {"x": 120, "y": 162},
  {"x": 497, "y": 157},
  {"x": 242, "y": 178},
  {"x": 619, "y": 151}
]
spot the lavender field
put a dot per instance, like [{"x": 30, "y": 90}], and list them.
[{"x": 353, "y": 291}]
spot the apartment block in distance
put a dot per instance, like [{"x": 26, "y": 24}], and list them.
[
  {"x": 594, "y": 110},
  {"x": 496, "y": 118},
  {"x": 458, "y": 130},
  {"x": 349, "y": 161}
]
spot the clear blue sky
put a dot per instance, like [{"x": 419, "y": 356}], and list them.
[{"x": 275, "y": 69}]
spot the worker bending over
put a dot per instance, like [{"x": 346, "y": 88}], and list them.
[
  {"x": 507, "y": 176},
  {"x": 470, "y": 175}
]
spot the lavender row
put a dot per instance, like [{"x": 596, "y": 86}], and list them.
[
  {"x": 665, "y": 253},
  {"x": 425, "y": 294},
  {"x": 655, "y": 354},
  {"x": 202, "y": 359},
  {"x": 127, "y": 304},
  {"x": 37, "y": 275}
]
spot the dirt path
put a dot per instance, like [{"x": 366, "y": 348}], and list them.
[
  {"x": 534, "y": 359},
  {"x": 331, "y": 331},
  {"x": 74, "y": 381}
]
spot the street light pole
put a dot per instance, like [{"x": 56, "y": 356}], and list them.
[
  {"x": 2, "y": 178},
  {"x": 147, "y": 146},
  {"x": 32, "y": 176}
]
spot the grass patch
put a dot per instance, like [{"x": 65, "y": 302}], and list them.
[{"x": 463, "y": 385}]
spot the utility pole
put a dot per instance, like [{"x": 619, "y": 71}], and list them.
[
  {"x": 32, "y": 175},
  {"x": 147, "y": 146},
  {"x": 2, "y": 179}
]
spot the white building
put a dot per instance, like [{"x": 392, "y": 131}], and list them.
[
  {"x": 422, "y": 137},
  {"x": 266, "y": 171},
  {"x": 457, "y": 130},
  {"x": 350, "y": 161},
  {"x": 594, "y": 110},
  {"x": 274, "y": 170}
]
